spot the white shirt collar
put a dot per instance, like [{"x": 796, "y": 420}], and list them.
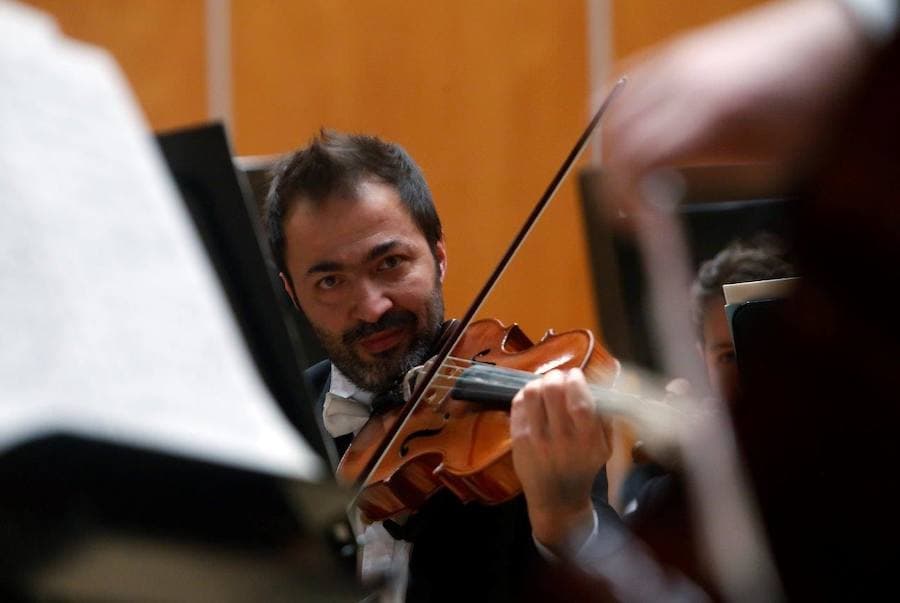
[{"x": 343, "y": 387}]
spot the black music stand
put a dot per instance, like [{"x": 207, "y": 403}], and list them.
[
  {"x": 86, "y": 519},
  {"x": 224, "y": 210},
  {"x": 257, "y": 172}
]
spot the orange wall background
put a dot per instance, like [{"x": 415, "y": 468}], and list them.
[
  {"x": 158, "y": 43},
  {"x": 487, "y": 96}
]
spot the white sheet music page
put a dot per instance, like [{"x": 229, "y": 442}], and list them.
[{"x": 113, "y": 323}]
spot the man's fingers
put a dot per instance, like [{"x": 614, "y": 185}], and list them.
[
  {"x": 559, "y": 423},
  {"x": 528, "y": 412},
  {"x": 555, "y": 414},
  {"x": 518, "y": 422},
  {"x": 591, "y": 429},
  {"x": 578, "y": 395}
]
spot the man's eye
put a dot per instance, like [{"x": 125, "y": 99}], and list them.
[
  {"x": 328, "y": 282},
  {"x": 726, "y": 358},
  {"x": 392, "y": 261}
]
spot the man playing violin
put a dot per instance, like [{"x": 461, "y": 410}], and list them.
[{"x": 360, "y": 251}]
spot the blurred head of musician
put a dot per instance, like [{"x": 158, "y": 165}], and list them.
[
  {"x": 360, "y": 250},
  {"x": 759, "y": 258}
]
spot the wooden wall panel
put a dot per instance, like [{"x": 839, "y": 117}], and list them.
[
  {"x": 160, "y": 45},
  {"x": 486, "y": 96}
]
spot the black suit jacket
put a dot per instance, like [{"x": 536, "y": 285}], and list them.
[{"x": 472, "y": 552}]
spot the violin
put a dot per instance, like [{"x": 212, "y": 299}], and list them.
[{"x": 458, "y": 436}]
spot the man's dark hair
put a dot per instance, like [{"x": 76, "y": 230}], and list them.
[
  {"x": 334, "y": 163},
  {"x": 761, "y": 257}
]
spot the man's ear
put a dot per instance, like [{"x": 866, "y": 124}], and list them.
[
  {"x": 289, "y": 288},
  {"x": 440, "y": 254}
]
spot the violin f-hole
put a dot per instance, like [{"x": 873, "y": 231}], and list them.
[
  {"x": 422, "y": 433},
  {"x": 484, "y": 352}
]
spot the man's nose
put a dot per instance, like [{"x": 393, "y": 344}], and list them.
[{"x": 371, "y": 303}]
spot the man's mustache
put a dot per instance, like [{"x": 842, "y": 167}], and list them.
[{"x": 389, "y": 320}]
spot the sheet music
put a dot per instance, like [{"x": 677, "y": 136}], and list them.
[
  {"x": 113, "y": 323},
  {"x": 737, "y": 293}
]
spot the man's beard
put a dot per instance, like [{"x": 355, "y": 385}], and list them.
[{"x": 385, "y": 372}]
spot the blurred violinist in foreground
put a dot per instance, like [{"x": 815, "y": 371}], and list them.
[
  {"x": 812, "y": 84},
  {"x": 658, "y": 560}
]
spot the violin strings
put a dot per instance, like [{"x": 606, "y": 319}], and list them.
[
  {"x": 597, "y": 391},
  {"x": 518, "y": 377},
  {"x": 501, "y": 376},
  {"x": 500, "y": 380},
  {"x": 604, "y": 400},
  {"x": 510, "y": 381},
  {"x": 461, "y": 363}
]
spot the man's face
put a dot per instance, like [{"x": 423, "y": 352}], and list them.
[
  {"x": 365, "y": 277},
  {"x": 718, "y": 350}
]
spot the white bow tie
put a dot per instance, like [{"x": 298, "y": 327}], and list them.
[{"x": 344, "y": 415}]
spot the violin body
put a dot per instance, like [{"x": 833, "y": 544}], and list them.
[{"x": 459, "y": 444}]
